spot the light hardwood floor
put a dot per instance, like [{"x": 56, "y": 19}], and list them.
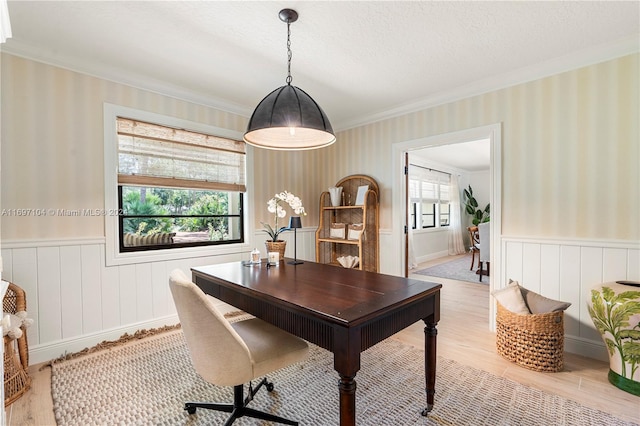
[{"x": 463, "y": 335}]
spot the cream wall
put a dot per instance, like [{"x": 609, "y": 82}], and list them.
[
  {"x": 570, "y": 180},
  {"x": 53, "y": 143},
  {"x": 568, "y": 140},
  {"x": 571, "y": 150}
]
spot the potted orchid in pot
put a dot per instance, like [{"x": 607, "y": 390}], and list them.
[{"x": 275, "y": 206}]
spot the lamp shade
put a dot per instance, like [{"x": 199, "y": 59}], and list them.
[
  {"x": 289, "y": 119},
  {"x": 295, "y": 222}
]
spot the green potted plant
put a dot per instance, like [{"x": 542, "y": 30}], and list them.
[{"x": 471, "y": 207}]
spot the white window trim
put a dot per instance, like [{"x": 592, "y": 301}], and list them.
[{"x": 112, "y": 251}]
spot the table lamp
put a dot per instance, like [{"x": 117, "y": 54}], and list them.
[{"x": 295, "y": 223}]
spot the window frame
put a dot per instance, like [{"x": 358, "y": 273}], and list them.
[
  {"x": 417, "y": 203},
  {"x": 121, "y": 234},
  {"x": 113, "y": 255}
]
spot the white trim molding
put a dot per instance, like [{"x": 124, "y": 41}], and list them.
[{"x": 112, "y": 252}]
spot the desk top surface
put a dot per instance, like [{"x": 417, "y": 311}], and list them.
[{"x": 344, "y": 295}]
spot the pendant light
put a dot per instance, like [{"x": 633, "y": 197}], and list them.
[{"x": 288, "y": 118}]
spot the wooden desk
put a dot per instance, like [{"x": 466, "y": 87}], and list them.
[{"x": 341, "y": 310}]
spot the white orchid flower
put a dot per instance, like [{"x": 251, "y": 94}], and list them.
[{"x": 274, "y": 206}]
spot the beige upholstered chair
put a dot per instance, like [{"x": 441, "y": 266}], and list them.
[
  {"x": 485, "y": 248},
  {"x": 231, "y": 354}
]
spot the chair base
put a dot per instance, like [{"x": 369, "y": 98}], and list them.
[{"x": 239, "y": 407}]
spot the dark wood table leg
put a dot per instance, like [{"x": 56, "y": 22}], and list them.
[
  {"x": 346, "y": 361},
  {"x": 347, "y": 387},
  {"x": 430, "y": 334}
]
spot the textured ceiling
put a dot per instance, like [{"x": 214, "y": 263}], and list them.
[{"x": 360, "y": 60}]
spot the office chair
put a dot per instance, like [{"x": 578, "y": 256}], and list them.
[{"x": 231, "y": 354}]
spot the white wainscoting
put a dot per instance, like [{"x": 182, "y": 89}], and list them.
[
  {"x": 77, "y": 301},
  {"x": 567, "y": 270}
]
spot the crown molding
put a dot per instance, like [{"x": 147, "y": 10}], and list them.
[
  {"x": 120, "y": 76},
  {"x": 585, "y": 57},
  {"x": 589, "y": 56}
]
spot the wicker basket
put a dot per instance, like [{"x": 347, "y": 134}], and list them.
[
  {"x": 533, "y": 341},
  {"x": 277, "y": 246},
  {"x": 16, "y": 351}
]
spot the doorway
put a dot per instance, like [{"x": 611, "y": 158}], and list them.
[
  {"x": 400, "y": 211},
  {"x": 437, "y": 220}
]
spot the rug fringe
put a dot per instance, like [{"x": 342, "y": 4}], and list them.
[{"x": 106, "y": 344}]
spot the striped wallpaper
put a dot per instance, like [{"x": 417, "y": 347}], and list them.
[
  {"x": 53, "y": 143},
  {"x": 570, "y": 150}
]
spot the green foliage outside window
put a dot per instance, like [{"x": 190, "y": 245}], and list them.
[{"x": 201, "y": 211}]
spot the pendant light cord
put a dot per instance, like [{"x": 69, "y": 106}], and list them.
[{"x": 289, "y": 54}]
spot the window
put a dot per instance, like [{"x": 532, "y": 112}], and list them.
[
  {"x": 177, "y": 188},
  {"x": 429, "y": 197}
]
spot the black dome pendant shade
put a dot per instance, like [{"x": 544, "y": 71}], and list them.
[{"x": 288, "y": 118}]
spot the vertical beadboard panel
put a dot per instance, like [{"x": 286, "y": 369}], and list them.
[
  {"x": 570, "y": 287},
  {"x": 633, "y": 262},
  {"x": 513, "y": 263},
  {"x": 144, "y": 292},
  {"x": 160, "y": 289},
  {"x": 50, "y": 324},
  {"x": 7, "y": 267},
  {"x": 550, "y": 270},
  {"x": 591, "y": 267},
  {"x": 24, "y": 267},
  {"x": 110, "y": 296},
  {"x": 531, "y": 266},
  {"x": 614, "y": 264},
  {"x": 91, "y": 286},
  {"x": 128, "y": 294},
  {"x": 71, "y": 291}
]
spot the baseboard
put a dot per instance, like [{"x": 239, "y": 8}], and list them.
[
  {"x": 587, "y": 348},
  {"x": 49, "y": 351},
  {"x": 432, "y": 256}
]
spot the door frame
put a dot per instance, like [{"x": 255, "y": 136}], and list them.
[{"x": 399, "y": 235}]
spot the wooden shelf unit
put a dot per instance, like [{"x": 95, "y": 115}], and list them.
[{"x": 367, "y": 246}]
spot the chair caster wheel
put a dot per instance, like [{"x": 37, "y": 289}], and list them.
[
  {"x": 269, "y": 387},
  {"x": 190, "y": 409}
]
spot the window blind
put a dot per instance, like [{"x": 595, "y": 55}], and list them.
[
  {"x": 154, "y": 155},
  {"x": 433, "y": 184}
]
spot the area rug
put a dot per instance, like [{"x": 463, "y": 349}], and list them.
[
  {"x": 148, "y": 381},
  {"x": 457, "y": 269}
]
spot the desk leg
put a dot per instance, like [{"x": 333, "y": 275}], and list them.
[
  {"x": 347, "y": 387},
  {"x": 430, "y": 334}
]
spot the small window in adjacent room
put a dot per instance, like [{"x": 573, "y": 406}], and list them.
[
  {"x": 177, "y": 188},
  {"x": 429, "y": 197}
]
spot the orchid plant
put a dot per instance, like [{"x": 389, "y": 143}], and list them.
[{"x": 275, "y": 206}]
